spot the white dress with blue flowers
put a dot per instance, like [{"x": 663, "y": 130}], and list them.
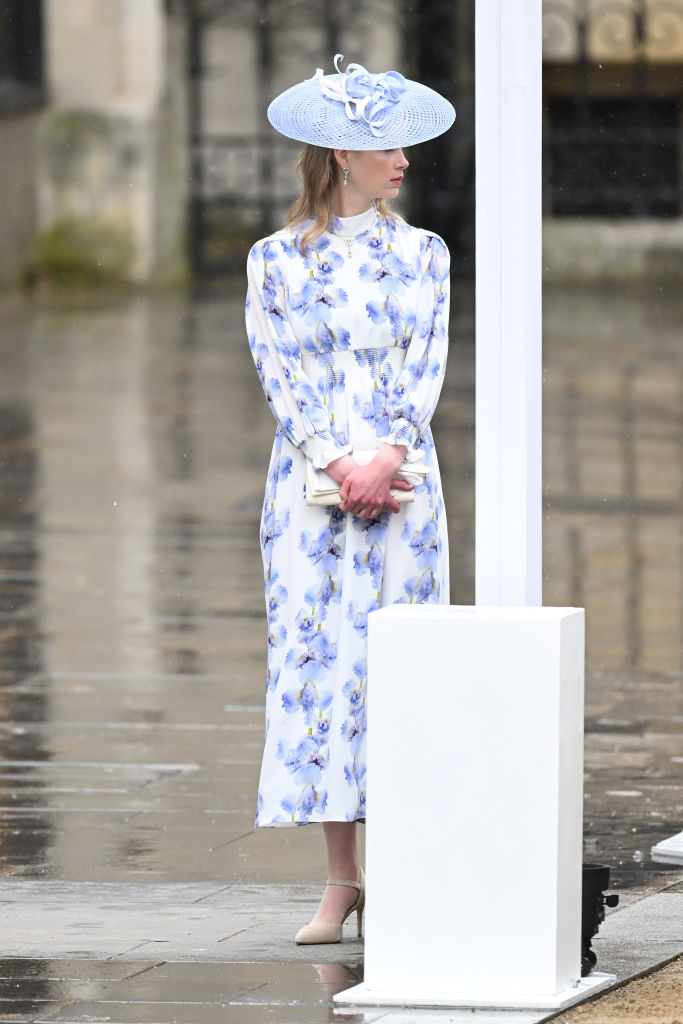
[{"x": 350, "y": 343}]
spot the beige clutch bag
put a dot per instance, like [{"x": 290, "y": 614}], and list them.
[{"x": 322, "y": 490}]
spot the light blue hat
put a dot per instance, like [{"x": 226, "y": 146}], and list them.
[{"x": 358, "y": 110}]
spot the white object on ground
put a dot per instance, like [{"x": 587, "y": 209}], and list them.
[
  {"x": 668, "y": 851},
  {"x": 475, "y": 794}
]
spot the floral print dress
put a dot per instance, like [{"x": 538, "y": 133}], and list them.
[{"x": 350, "y": 343}]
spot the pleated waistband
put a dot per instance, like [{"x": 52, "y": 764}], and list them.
[{"x": 315, "y": 362}]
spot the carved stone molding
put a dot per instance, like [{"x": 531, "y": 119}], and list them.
[{"x": 612, "y": 31}]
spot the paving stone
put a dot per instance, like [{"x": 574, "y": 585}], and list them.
[
  {"x": 19, "y": 968},
  {"x": 202, "y": 1013},
  {"x": 25, "y": 1011}
]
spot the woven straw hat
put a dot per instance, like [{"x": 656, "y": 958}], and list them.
[{"x": 354, "y": 109}]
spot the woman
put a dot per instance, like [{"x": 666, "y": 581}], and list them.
[{"x": 347, "y": 317}]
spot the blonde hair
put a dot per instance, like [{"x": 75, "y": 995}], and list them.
[{"x": 318, "y": 171}]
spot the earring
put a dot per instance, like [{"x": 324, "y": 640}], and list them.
[{"x": 346, "y": 176}]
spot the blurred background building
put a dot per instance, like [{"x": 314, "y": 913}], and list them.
[{"x": 134, "y": 144}]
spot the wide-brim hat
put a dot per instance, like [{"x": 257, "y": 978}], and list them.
[{"x": 355, "y": 109}]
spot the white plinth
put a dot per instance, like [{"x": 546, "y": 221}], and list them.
[
  {"x": 669, "y": 851},
  {"x": 473, "y": 840},
  {"x": 364, "y": 995}
]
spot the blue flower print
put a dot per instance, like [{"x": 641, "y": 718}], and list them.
[
  {"x": 321, "y": 729},
  {"x": 359, "y": 617},
  {"x": 276, "y": 597},
  {"x": 325, "y": 550},
  {"x": 380, "y": 413},
  {"x": 354, "y": 728},
  {"x": 371, "y": 560},
  {"x": 355, "y": 774},
  {"x": 301, "y": 808},
  {"x": 260, "y": 356},
  {"x": 424, "y": 543},
  {"x": 392, "y": 275},
  {"x": 350, "y": 348},
  {"x": 284, "y": 467},
  {"x": 270, "y": 250},
  {"x": 316, "y": 658},
  {"x": 290, "y": 247},
  {"x": 315, "y": 417},
  {"x": 354, "y": 691},
  {"x": 315, "y": 301},
  {"x": 272, "y": 679},
  {"x": 277, "y": 635},
  {"x": 391, "y": 310},
  {"x": 366, "y": 357},
  {"x": 306, "y": 761},
  {"x": 324, "y": 339},
  {"x": 320, "y": 595},
  {"x": 423, "y": 589},
  {"x": 306, "y": 625},
  {"x": 353, "y": 731},
  {"x": 377, "y": 311},
  {"x": 330, "y": 590},
  {"x": 333, "y": 381},
  {"x": 327, "y": 262},
  {"x": 306, "y": 397},
  {"x": 402, "y": 405},
  {"x": 273, "y": 528},
  {"x": 308, "y": 699},
  {"x": 430, "y": 333},
  {"x": 364, "y": 409}
]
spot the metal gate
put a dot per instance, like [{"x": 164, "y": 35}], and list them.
[{"x": 237, "y": 189}]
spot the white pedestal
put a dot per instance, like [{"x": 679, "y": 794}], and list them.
[
  {"x": 668, "y": 851},
  {"x": 475, "y": 792}
]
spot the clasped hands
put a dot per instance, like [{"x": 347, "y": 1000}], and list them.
[{"x": 365, "y": 490}]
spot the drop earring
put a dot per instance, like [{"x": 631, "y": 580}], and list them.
[{"x": 346, "y": 176}]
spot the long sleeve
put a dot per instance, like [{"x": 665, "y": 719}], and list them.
[
  {"x": 292, "y": 399},
  {"x": 416, "y": 391}
]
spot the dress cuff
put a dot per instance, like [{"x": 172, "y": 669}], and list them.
[
  {"x": 322, "y": 449},
  {"x": 404, "y": 432}
]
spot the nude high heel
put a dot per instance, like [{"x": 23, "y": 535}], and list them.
[{"x": 312, "y": 934}]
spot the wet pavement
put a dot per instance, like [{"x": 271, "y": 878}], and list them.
[{"x": 133, "y": 445}]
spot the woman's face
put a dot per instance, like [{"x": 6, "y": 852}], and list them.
[{"x": 374, "y": 174}]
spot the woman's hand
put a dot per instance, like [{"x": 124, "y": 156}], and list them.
[
  {"x": 339, "y": 469},
  {"x": 364, "y": 490}
]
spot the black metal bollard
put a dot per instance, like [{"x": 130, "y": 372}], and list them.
[{"x": 595, "y": 880}]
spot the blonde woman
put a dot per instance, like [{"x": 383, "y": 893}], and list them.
[{"x": 347, "y": 319}]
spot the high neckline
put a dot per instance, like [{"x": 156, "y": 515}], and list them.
[{"x": 349, "y": 227}]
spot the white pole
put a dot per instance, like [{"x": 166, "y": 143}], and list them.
[{"x": 508, "y": 302}]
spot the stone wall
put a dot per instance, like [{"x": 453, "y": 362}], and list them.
[
  {"x": 18, "y": 210},
  {"x": 583, "y": 251},
  {"x": 110, "y": 172}
]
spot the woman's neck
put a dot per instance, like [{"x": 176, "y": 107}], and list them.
[{"x": 346, "y": 202}]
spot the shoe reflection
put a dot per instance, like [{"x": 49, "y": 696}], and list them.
[{"x": 337, "y": 978}]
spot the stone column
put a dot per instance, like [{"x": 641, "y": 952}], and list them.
[{"x": 110, "y": 175}]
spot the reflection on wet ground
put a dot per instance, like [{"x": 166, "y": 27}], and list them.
[
  {"x": 613, "y": 540},
  {"x": 185, "y": 993},
  {"x": 133, "y": 445}
]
